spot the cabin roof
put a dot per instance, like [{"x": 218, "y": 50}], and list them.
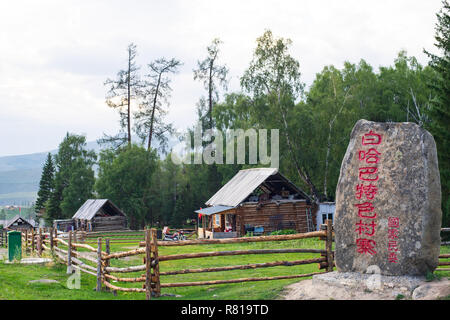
[
  {"x": 92, "y": 206},
  {"x": 213, "y": 210},
  {"x": 246, "y": 181},
  {"x": 16, "y": 218}
]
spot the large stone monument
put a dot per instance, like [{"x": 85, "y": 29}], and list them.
[
  {"x": 388, "y": 201},
  {"x": 387, "y": 220}
]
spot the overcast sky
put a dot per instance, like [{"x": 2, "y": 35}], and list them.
[{"x": 56, "y": 55}]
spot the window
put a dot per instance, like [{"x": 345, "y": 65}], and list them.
[
  {"x": 217, "y": 219},
  {"x": 326, "y": 216}
]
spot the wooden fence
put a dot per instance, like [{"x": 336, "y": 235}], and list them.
[
  {"x": 3, "y": 238},
  {"x": 96, "y": 262},
  {"x": 123, "y": 236}
]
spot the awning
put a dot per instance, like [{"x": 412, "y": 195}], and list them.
[{"x": 213, "y": 210}]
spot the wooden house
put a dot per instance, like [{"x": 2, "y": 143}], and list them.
[
  {"x": 18, "y": 223},
  {"x": 63, "y": 224},
  {"x": 99, "y": 215},
  {"x": 257, "y": 201}
]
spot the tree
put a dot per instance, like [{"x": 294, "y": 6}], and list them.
[
  {"x": 125, "y": 177},
  {"x": 157, "y": 91},
  {"x": 273, "y": 78},
  {"x": 122, "y": 91},
  {"x": 440, "y": 104},
  {"x": 212, "y": 75},
  {"x": 80, "y": 187},
  {"x": 73, "y": 177},
  {"x": 45, "y": 184}
]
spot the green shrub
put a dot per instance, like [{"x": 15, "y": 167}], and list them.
[{"x": 285, "y": 231}]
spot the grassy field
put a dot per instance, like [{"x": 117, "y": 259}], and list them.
[{"x": 15, "y": 278}]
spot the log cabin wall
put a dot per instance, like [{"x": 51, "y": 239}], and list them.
[{"x": 274, "y": 216}]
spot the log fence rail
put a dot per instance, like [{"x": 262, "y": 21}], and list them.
[{"x": 93, "y": 261}]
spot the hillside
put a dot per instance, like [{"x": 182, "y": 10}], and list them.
[{"x": 20, "y": 176}]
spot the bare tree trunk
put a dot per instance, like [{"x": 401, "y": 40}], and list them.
[
  {"x": 129, "y": 97},
  {"x": 210, "y": 94},
  {"x": 152, "y": 119}
]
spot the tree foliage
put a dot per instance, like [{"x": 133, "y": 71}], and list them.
[
  {"x": 156, "y": 94},
  {"x": 125, "y": 178},
  {"x": 74, "y": 178},
  {"x": 440, "y": 104},
  {"x": 45, "y": 184}
]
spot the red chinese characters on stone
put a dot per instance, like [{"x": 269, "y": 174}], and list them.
[
  {"x": 367, "y": 228},
  {"x": 364, "y": 209},
  {"x": 370, "y": 156},
  {"x": 369, "y": 191},
  {"x": 366, "y": 246},
  {"x": 368, "y": 173},
  {"x": 393, "y": 222},
  {"x": 392, "y": 234},
  {"x": 392, "y": 257},
  {"x": 393, "y": 226},
  {"x": 371, "y": 138}
]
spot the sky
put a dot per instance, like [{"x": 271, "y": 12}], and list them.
[{"x": 56, "y": 55}]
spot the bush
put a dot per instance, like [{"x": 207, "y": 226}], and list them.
[{"x": 285, "y": 231}]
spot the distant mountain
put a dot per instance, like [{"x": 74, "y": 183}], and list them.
[{"x": 20, "y": 175}]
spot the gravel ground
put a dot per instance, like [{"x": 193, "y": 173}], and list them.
[{"x": 357, "y": 286}]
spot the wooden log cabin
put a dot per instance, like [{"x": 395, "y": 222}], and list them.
[
  {"x": 19, "y": 223},
  {"x": 257, "y": 201},
  {"x": 99, "y": 215}
]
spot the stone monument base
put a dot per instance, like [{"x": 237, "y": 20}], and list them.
[{"x": 363, "y": 286}]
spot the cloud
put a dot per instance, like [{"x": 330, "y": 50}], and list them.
[{"x": 56, "y": 55}]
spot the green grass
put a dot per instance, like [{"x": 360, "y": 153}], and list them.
[{"x": 15, "y": 278}]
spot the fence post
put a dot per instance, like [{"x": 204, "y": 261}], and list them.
[
  {"x": 51, "y": 239},
  {"x": 26, "y": 241},
  {"x": 99, "y": 264},
  {"x": 329, "y": 245},
  {"x": 155, "y": 261},
  {"x": 69, "y": 254},
  {"x": 108, "y": 251},
  {"x": 32, "y": 241},
  {"x": 40, "y": 242},
  {"x": 56, "y": 236},
  {"x": 148, "y": 269}
]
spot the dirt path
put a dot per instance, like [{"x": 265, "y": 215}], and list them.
[{"x": 3, "y": 253}]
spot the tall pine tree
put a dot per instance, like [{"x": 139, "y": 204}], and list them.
[
  {"x": 440, "y": 111},
  {"x": 74, "y": 178},
  {"x": 46, "y": 184}
]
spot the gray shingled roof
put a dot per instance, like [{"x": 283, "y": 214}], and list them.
[
  {"x": 17, "y": 217},
  {"x": 92, "y": 206},
  {"x": 244, "y": 183}
]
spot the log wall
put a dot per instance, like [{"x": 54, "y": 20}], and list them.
[{"x": 274, "y": 216}]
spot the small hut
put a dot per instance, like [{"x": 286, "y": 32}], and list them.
[
  {"x": 257, "y": 201},
  {"x": 99, "y": 215},
  {"x": 19, "y": 222}
]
